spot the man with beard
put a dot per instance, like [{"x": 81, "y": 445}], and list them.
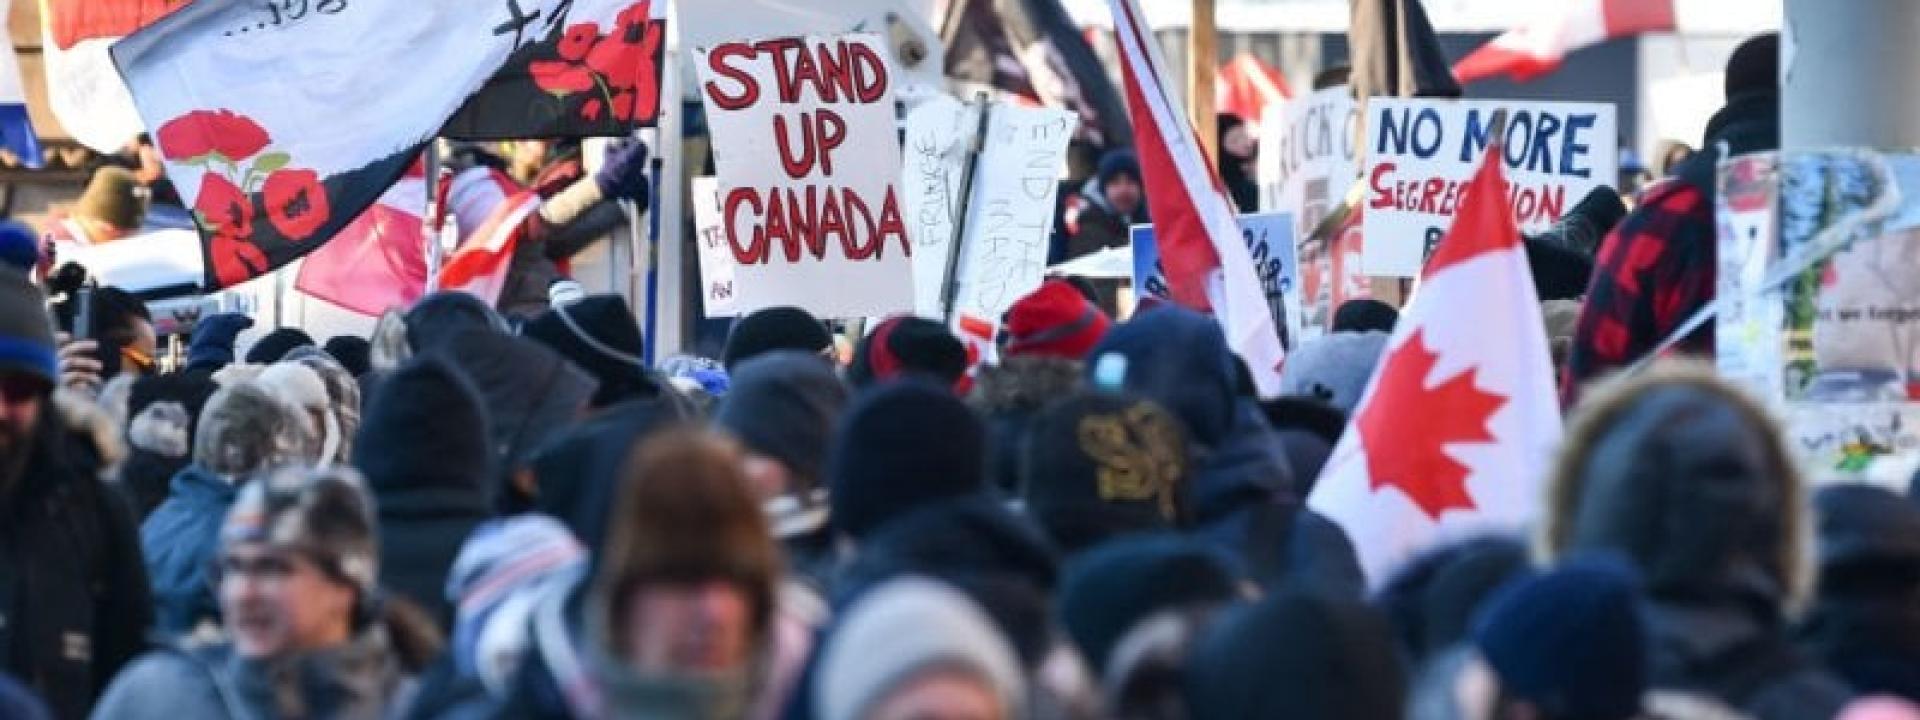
[{"x": 74, "y": 602}]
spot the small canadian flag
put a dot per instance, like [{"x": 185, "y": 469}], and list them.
[{"x": 1456, "y": 430}]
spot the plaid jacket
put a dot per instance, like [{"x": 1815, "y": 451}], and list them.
[{"x": 1652, "y": 273}]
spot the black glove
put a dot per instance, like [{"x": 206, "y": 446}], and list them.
[{"x": 624, "y": 175}]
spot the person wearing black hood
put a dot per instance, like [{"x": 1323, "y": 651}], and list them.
[
  {"x": 1693, "y": 483},
  {"x": 161, "y": 413},
  {"x": 1110, "y": 204},
  {"x": 423, "y": 449},
  {"x": 1657, "y": 267},
  {"x": 1242, "y": 494},
  {"x": 1238, "y": 150}
]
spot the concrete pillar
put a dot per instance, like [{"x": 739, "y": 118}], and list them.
[{"x": 1850, "y": 70}]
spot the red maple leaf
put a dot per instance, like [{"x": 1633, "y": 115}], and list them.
[{"x": 1407, "y": 425}]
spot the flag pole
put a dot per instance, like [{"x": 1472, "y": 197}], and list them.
[
  {"x": 430, "y": 225},
  {"x": 950, "y": 280},
  {"x": 1203, "y": 60}
]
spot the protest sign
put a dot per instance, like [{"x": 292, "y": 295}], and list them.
[
  {"x": 1330, "y": 276},
  {"x": 1421, "y": 152},
  {"x": 809, "y": 169},
  {"x": 1818, "y": 303},
  {"x": 716, "y": 259},
  {"x": 1269, "y": 238},
  {"x": 246, "y": 102},
  {"x": 1009, "y": 219},
  {"x": 1309, "y": 156}
]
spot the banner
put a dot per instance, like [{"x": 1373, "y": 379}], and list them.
[
  {"x": 1421, "y": 153},
  {"x": 281, "y": 122},
  {"x": 596, "y": 80},
  {"x": 1270, "y": 241},
  {"x": 716, "y": 259},
  {"x": 1818, "y": 304},
  {"x": 83, "y": 89},
  {"x": 809, "y": 170},
  {"x": 1010, "y": 218}
]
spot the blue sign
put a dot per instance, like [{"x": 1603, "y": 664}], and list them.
[{"x": 1276, "y": 263}]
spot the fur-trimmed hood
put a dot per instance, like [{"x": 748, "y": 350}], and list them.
[
  {"x": 85, "y": 419},
  {"x": 1024, "y": 384},
  {"x": 1692, "y": 480}
]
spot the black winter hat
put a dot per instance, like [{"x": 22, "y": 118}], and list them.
[
  {"x": 425, "y": 426},
  {"x": 1363, "y": 315},
  {"x": 903, "y": 445},
  {"x": 1865, "y": 527},
  {"x": 443, "y": 315},
  {"x": 1099, "y": 465},
  {"x": 354, "y": 353},
  {"x": 599, "y": 335},
  {"x": 1113, "y": 587},
  {"x": 977, "y": 545},
  {"x": 273, "y": 346},
  {"x": 1754, "y": 66},
  {"x": 775, "y": 328},
  {"x": 1572, "y": 641},
  {"x": 785, "y": 405},
  {"x": 904, "y": 345},
  {"x": 190, "y": 390},
  {"x": 1298, "y": 654},
  {"x": 1434, "y": 598}
]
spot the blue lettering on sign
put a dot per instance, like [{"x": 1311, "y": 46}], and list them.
[
  {"x": 1394, "y": 131},
  {"x": 1429, "y": 120},
  {"x": 1571, "y": 146},
  {"x": 1521, "y": 119},
  {"x": 1478, "y": 135},
  {"x": 1541, "y": 153}
]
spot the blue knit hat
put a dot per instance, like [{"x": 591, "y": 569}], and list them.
[{"x": 1571, "y": 641}]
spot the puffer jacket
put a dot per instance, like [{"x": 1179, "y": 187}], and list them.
[
  {"x": 362, "y": 680},
  {"x": 180, "y": 540}
]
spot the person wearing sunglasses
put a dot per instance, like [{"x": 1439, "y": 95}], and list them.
[{"x": 73, "y": 589}]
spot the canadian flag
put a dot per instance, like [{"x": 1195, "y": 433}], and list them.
[
  {"x": 1458, "y": 425},
  {"x": 1201, "y": 248},
  {"x": 491, "y": 211},
  {"x": 1535, "y": 49}
]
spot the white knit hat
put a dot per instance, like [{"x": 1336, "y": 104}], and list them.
[{"x": 903, "y": 628}]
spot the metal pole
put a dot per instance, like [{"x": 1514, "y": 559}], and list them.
[
  {"x": 430, "y": 225},
  {"x": 1203, "y": 57},
  {"x": 950, "y": 280},
  {"x": 1848, "y": 78}
]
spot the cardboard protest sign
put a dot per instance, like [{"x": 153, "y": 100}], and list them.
[
  {"x": 716, "y": 258},
  {"x": 1269, "y": 239},
  {"x": 1421, "y": 153},
  {"x": 1818, "y": 304},
  {"x": 809, "y": 168},
  {"x": 1009, "y": 219},
  {"x": 1309, "y": 156}
]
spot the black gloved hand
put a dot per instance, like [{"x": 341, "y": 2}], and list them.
[{"x": 624, "y": 175}]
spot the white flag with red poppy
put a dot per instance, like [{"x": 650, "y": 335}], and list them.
[
  {"x": 1536, "y": 48},
  {"x": 1459, "y": 423},
  {"x": 280, "y": 123}
]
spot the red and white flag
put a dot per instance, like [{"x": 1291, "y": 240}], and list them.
[
  {"x": 1201, "y": 249},
  {"x": 1535, "y": 49},
  {"x": 1246, "y": 86},
  {"x": 379, "y": 260},
  {"x": 1457, "y": 428},
  {"x": 491, "y": 210}
]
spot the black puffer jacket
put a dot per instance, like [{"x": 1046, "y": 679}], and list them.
[
  {"x": 73, "y": 590},
  {"x": 1690, "y": 480}
]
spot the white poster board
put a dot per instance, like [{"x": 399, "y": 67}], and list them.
[
  {"x": 1421, "y": 154},
  {"x": 809, "y": 173},
  {"x": 716, "y": 258},
  {"x": 1309, "y": 156}
]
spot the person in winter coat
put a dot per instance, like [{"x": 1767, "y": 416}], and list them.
[
  {"x": 1433, "y": 599},
  {"x": 1566, "y": 645},
  {"x": 243, "y": 432},
  {"x": 773, "y": 329},
  {"x": 1045, "y": 344},
  {"x": 423, "y": 450},
  {"x": 1862, "y": 623},
  {"x": 162, "y": 412},
  {"x": 598, "y": 334},
  {"x": 576, "y": 478},
  {"x": 903, "y": 445},
  {"x": 1657, "y": 267},
  {"x": 1692, "y": 482},
  {"x": 531, "y": 395},
  {"x": 1110, "y": 590},
  {"x": 1242, "y": 493},
  {"x": 1105, "y": 211},
  {"x": 310, "y": 635},
  {"x": 302, "y": 387},
  {"x": 914, "y": 648},
  {"x": 783, "y": 407},
  {"x": 903, "y": 346},
  {"x": 73, "y": 592},
  {"x": 676, "y": 619},
  {"x": 1099, "y": 466},
  {"x": 343, "y": 395}
]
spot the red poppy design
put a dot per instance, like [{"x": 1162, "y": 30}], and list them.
[
  {"x": 559, "y": 77},
  {"x": 203, "y": 132},
  {"x": 577, "y": 40},
  {"x": 224, "y": 206},
  {"x": 235, "y": 260},
  {"x": 296, "y": 203},
  {"x": 625, "y": 57},
  {"x": 591, "y": 109}
]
